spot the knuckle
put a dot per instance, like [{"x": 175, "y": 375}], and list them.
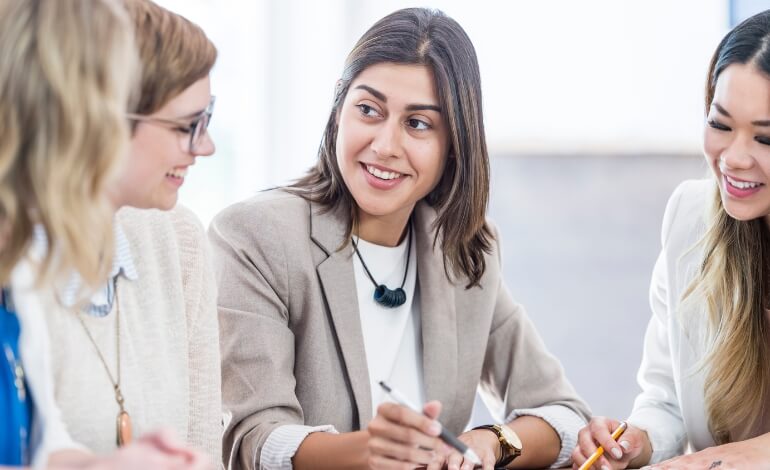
[
  {"x": 425, "y": 424},
  {"x": 375, "y": 427},
  {"x": 414, "y": 455},
  {"x": 412, "y": 435},
  {"x": 373, "y": 445},
  {"x": 400, "y": 414}
]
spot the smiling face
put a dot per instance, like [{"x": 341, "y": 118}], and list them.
[
  {"x": 737, "y": 141},
  {"x": 392, "y": 140},
  {"x": 159, "y": 154}
]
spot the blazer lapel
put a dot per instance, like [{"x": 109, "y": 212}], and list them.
[
  {"x": 338, "y": 284},
  {"x": 437, "y": 310}
]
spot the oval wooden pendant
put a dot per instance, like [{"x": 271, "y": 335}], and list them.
[{"x": 124, "y": 429}]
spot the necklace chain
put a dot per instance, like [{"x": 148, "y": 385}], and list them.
[
  {"x": 115, "y": 383},
  {"x": 408, "y": 255}
]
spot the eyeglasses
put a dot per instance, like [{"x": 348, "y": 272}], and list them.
[{"x": 197, "y": 128}]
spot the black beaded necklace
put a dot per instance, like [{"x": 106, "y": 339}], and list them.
[{"x": 382, "y": 294}]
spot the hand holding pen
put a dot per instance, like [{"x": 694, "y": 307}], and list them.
[
  {"x": 607, "y": 444},
  {"x": 403, "y": 433}
]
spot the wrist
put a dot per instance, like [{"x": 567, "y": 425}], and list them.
[
  {"x": 645, "y": 453},
  {"x": 321, "y": 451},
  {"x": 489, "y": 440}
]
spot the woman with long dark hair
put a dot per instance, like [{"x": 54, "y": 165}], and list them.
[
  {"x": 705, "y": 374},
  {"x": 380, "y": 265}
]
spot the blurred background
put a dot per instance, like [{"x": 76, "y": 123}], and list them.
[{"x": 593, "y": 111}]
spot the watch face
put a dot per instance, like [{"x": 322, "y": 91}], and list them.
[{"x": 511, "y": 437}]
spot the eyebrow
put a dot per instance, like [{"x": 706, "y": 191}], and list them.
[
  {"x": 412, "y": 107},
  {"x": 423, "y": 107},
  {"x": 720, "y": 109},
  {"x": 193, "y": 114},
  {"x": 760, "y": 123}
]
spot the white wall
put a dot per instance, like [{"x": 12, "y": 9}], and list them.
[
  {"x": 558, "y": 76},
  {"x": 589, "y": 76}
]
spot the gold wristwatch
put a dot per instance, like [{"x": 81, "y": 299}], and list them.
[{"x": 510, "y": 444}]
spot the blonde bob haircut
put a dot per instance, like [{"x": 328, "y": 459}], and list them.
[
  {"x": 175, "y": 53},
  {"x": 68, "y": 68}
]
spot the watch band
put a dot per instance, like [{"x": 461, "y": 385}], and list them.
[{"x": 508, "y": 451}]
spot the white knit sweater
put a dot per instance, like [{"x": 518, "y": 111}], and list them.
[{"x": 170, "y": 373}]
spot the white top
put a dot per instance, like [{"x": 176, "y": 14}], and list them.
[
  {"x": 49, "y": 433},
  {"x": 393, "y": 345},
  {"x": 671, "y": 407},
  {"x": 170, "y": 371},
  {"x": 392, "y": 341},
  {"x": 392, "y": 336},
  {"x": 123, "y": 266}
]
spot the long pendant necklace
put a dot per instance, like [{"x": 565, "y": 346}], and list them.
[
  {"x": 123, "y": 421},
  {"x": 384, "y": 296}
]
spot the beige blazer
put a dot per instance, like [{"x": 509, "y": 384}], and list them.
[{"x": 292, "y": 347}]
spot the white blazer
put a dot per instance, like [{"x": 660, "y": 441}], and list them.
[
  {"x": 671, "y": 406},
  {"x": 48, "y": 432}
]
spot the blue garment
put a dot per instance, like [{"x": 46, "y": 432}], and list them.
[{"x": 15, "y": 402}]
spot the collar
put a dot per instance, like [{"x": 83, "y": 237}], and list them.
[
  {"x": 124, "y": 261},
  {"x": 122, "y": 264},
  {"x": 328, "y": 225}
]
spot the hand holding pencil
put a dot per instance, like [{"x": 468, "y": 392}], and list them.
[{"x": 607, "y": 444}]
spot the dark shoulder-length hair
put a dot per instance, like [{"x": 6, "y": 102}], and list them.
[{"x": 424, "y": 37}]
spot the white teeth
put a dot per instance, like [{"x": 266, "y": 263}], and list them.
[
  {"x": 383, "y": 175},
  {"x": 742, "y": 184},
  {"x": 177, "y": 173}
]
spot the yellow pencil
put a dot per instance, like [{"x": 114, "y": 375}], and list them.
[{"x": 600, "y": 451}]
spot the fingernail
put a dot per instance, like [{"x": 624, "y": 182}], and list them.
[
  {"x": 604, "y": 467},
  {"x": 625, "y": 445},
  {"x": 617, "y": 453},
  {"x": 435, "y": 428}
]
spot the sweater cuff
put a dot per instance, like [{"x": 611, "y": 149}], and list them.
[
  {"x": 283, "y": 442},
  {"x": 563, "y": 420}
]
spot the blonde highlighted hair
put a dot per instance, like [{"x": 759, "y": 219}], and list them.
[
  {"x": 68, "y": 69},
  {"x": 734, "y": 278}
]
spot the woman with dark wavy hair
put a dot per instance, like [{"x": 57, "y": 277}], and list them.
[{"x": 380, "y": 265}]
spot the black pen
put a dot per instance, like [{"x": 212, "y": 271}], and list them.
[{"x": 445, "y": 435}]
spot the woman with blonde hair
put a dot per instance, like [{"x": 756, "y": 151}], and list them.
[
  {"x": 705, "y": 373},
  {"x": 66, "y": 72},
  {"x": 143, "y": 351},
  {"x": 68, "y": 68}
]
